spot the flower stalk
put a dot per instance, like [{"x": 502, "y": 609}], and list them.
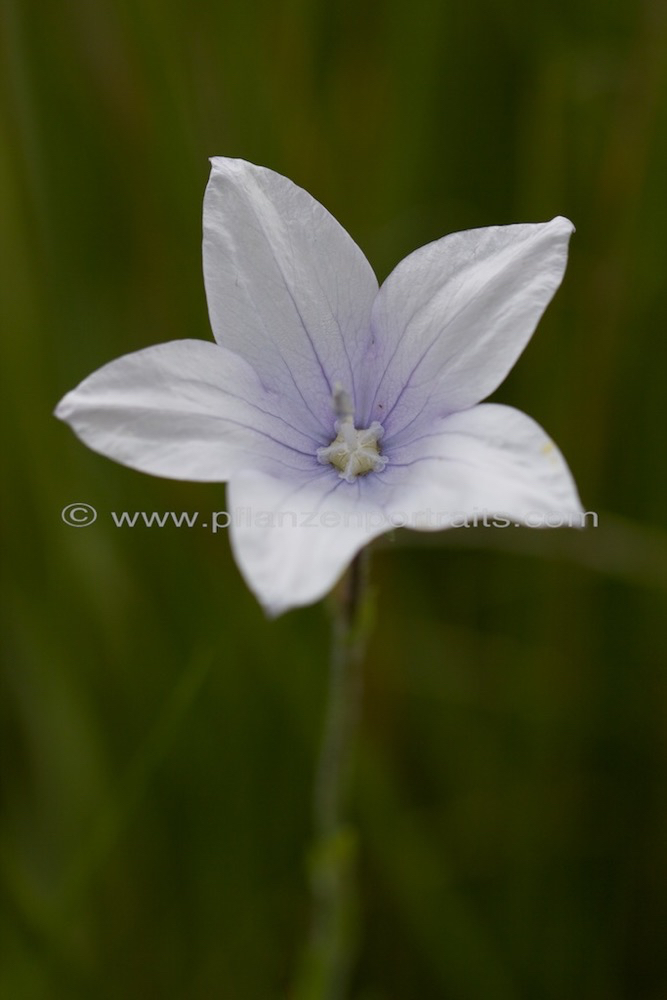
[{"x": 329, "y": 955}]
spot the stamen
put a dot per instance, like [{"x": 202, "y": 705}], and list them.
[
  {"x": 354, "y": 452},
  {"x": 342, "y": 403}
]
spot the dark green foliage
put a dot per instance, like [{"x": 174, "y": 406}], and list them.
[{"x": 158, "y": 735}]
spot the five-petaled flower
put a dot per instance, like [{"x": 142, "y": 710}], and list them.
[{"x": 326, "y": 395}]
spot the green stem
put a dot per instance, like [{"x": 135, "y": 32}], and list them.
[{"x": 328, "y": 959}]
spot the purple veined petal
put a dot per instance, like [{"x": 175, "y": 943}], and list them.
[
  {"x": 292, "y": 541},
  {"x": 187, "y": 409},
  {"x": 490, "y": 458},
  {"x": 287, "y": 287},
  {"x": 453, "y": 317}
]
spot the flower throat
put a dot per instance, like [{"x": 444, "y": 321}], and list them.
[{"x": 354, "y": 451}]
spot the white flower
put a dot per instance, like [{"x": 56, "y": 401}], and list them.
[{"x": 332, "y": 408}]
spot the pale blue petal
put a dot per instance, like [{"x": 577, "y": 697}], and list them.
[
  {"x": 490, "y": 458},
  {"x": 451, "y": 320},
  {"x": 287, "y": 287},
  {"x": 293, "y": 540},
  {"x": 186, "y": 410}
]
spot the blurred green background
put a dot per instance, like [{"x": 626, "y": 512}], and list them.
[{"x": 158, "y": 734}]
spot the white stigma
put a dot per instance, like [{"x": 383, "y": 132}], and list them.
[{"x": 354, "y": 452}]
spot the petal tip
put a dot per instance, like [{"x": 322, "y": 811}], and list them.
[
  {"x": 226, "y": 165},
  {"x": 564, "y": 224},
  {"x": 63, "y": 409}
]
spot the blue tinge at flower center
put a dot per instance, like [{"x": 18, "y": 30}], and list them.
[{"x": 354, "y": 452}]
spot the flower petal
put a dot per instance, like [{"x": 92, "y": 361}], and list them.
[
  {"x": 187, "y": 409},
  {"x": 292, "y": 541},
  {"x": 287, "y": 287},
  {"x": 492, "y": 459},
  {"x": 452, "y": 318}
]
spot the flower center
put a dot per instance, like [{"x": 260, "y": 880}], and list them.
[{"x": 354, "y": 452}]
